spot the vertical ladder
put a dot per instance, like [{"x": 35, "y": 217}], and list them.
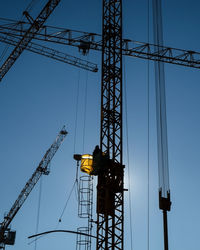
[{"x": 85, "y": 206}]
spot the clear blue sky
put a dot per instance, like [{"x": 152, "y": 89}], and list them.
[{"x": 38, "y": 96}]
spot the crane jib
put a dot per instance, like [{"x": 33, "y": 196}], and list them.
[{"x": 42, "y": 168}]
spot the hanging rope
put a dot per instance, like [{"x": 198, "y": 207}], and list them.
[
  {"x": 60, "y": 218},
  {"x": 77, "y": 188},
  {"x": 128, "y": 165},
  {"x": 75, "y": 134},
  {"x": 75, "y": 184},
  {"x": 67, "y": 201}
]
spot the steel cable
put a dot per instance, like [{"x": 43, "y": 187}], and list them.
[
  {"x": 76, "y": 112},
  {"x": 85, "y": 109}
]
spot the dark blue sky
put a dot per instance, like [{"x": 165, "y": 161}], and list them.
[{"x": 38, "y": 96}]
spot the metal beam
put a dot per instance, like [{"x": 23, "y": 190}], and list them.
[
  {"x": 187, "y": 58},
  {"x": 51, "y": 53}
]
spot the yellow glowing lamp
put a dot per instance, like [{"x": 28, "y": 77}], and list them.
[{"x": 86, "y": 163}]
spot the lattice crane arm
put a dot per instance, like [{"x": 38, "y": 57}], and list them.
[
  {"x": 85, "y": 40},
  {"x": 28, "y": 36},
  {"x": 51, "y": 53},
  {"x": 41, "y": 169}
]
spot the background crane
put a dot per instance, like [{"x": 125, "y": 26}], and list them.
[{"x": 7, "y": 237}]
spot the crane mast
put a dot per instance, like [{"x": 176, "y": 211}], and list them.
[
  {"x": 110, "y": 191},
  {"x": 28, "y": 36},
  {"x": 41, "y": 169}
]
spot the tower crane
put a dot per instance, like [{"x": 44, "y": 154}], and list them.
[
  {"x": 110, "y": 187},
  {"x": 7, "y": 237}
]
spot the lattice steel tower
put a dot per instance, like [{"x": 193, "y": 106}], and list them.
[{"x": 110, "y": 190}]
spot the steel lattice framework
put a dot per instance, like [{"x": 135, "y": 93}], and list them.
[
  {"x": 87, "y": 41},
  {"x": 41, "y": 169},
  {"x": 110, "y": 182},
  {"x": 51, "y": 53}
]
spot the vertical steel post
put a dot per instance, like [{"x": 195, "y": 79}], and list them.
[{"x": 165, "y": 230}]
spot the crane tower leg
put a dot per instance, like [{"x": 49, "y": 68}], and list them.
[{"x": 110, "y": 190}]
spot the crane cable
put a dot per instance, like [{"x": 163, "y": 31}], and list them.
[
  {"x": 75, "y": 135},
  {"x": 76, "y": 112},
  {"x": 161, "y": 116},
  {"x": 84, "y": 123},
  {"x": 66, "y": 203},
  {"x": 85, "y": 108},
  {"x": 60, "y": 218},
  {"x": 76, "y": 178},
  {"x": 128, "y": 165}
]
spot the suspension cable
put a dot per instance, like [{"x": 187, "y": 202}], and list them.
[
  {"x": 76, "y": 116},
  {"x": 66, "y": 203},
  {"x": 85, "y": 109},
  {"x": 75, "y": 184},
  {"x": 164, "y": 190},
  {"x": 62, "y": 213}
]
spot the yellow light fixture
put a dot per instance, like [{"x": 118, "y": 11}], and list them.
[{"x": 86, "y": 163}]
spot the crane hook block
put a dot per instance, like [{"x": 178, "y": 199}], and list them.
[
  {"x": 164, "y": 203},
  {"x": 77, "y": 157}
]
